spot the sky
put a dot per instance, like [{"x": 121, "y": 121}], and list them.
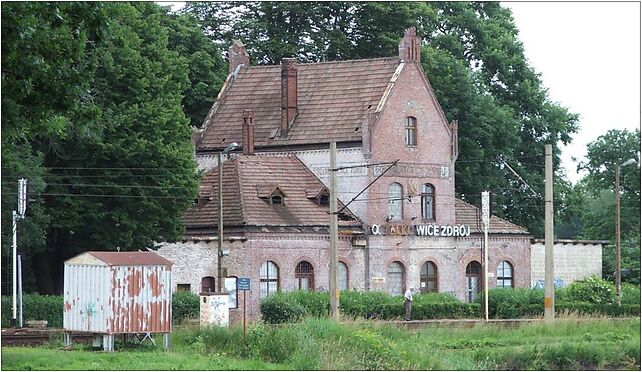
[{"x": 588, "y": 55}]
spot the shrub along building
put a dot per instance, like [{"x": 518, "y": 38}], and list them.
[{"x": 407, "y": 228}]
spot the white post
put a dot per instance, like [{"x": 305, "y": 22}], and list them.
[
  {"x": 20, "y": 287},
  {"x": 334, "y": 261},
  {"x": 486, "y": 223},
  {"x": 14, "y": 266}
]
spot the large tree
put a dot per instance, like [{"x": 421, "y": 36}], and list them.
[
  {"x": 95, "y": 115},
  {"x": 471, "y": 54}
]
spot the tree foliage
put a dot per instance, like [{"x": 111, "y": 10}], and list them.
[
  {"x": 97, "y": 101},
  {"x": 472, "y": 57}
]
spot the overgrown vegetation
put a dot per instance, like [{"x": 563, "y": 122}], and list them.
[{"x": 323, "y": 344}]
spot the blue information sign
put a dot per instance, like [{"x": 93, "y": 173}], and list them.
[{"x": 243, "y": 284}]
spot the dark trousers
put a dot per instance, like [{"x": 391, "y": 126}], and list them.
[{"x": 408, "y": 305}]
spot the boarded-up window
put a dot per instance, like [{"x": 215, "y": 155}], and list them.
[
  {"x": 395, "y": 207},
  {"x": 304, "y": 275},
  {"x": 342, "y": 273},
  {"x": 428, "y": 277},
  {"x": 269, "y": 279},
  {"x": 505, "y": 275},
  {"x": 207, "y": 285},
  {"x": 473, "y": 281},
  {"x": 394, "y": 279}
]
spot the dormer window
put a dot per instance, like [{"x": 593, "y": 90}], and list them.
[
  {"x": 411, "y": 131},
  {"x": 276, "y": 200},
  {"x": 321, "y": 196},
  {"x": 204, "y": 195},
  {"x": 271, "y": 194}
]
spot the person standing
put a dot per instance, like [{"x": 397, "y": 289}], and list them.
[{"x": 408, "y": 302}]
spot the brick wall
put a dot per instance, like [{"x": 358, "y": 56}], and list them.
[{"x": 571, "y": 261}]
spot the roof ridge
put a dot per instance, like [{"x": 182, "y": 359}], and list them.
[{"x": 299, "y": 63}]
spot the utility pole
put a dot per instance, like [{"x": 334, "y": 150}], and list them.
[
  {"x": 229, "y": 148},
  {"x": 486, "y": 225},
  {"x": 334, "y": 260},
  {"x": 549, "y": 267},
  {"x": 618, "y": 243}
]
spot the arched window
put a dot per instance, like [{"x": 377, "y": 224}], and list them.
[
  {"x": 395, "y": 279},
  {"x": 395, "y": 199},
  {"x": 505, "y": 275},
  {"x": 411, "y": 131},
  {"x": 269, "y": 280},
  {"x": 342, "y": 274},
  {"x": 232, "y": 290},
  {"x": 428, "y": 277},
  {"x": 304, "y": 275},
  {"x": 207, "y": 285},
  {"x": 428, "y": 202},
  {"x": 473, "y": 281}
]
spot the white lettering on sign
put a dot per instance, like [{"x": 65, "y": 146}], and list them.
[{"x": 422, "y": 230}]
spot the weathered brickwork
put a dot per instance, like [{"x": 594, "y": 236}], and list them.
[{"x": 194, "y": 260}]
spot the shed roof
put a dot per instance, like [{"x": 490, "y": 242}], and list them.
[
  {"x": 467, "y": 214},
  {"x": 120, "y": 258},
  {"x": 333, "y": 98},
  {"x": 247, "y": 179}
]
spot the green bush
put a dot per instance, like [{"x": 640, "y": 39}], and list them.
[
  {"x": 364, "y": 304},
  {"x": 281, "y": 308},
  {"x": 585, "y": 308},
  {"x": 316, "y": 304},
  {"x": 630, "y": 294},
  {"x": 185, "y": 305},
  {"x": 511, "y": 303},
  {"x": 35, "y": 307},
  {"x": 592, "y": 290}
]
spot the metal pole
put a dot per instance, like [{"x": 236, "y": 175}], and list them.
[
  {"x": 334, "y": 260},
  {"x": 14, "y": 266},
  {"x": 244, "y": 315},
  {"x": 549, "y": 267},
  {"x": 220, "y": 222},
  {"x": 20, "y": 287},
  {"x": 618, "y": 275}
]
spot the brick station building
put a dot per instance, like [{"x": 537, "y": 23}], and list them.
[{"x": 406, "y": 229}]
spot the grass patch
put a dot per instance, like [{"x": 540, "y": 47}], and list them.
[{"x": 322, "y": 344}]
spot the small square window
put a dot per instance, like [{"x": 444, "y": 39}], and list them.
[{"x": 183, "y": 287}]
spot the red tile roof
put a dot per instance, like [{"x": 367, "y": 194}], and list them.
[
  {"x": 245, "y": 181},
  {"x": 333, "y": 98},
  {"x": 467, "y": 214}
]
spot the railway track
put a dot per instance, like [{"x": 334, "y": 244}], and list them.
[{"x": 39, "y": 336}]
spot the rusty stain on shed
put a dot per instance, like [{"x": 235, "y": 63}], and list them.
[{"x": 118, "y": 292}]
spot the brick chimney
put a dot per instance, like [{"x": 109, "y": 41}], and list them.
[
  {"x": 288, "y": 94},
  {"x": 410, "y": 46},
  {"x": 248, "y": 132},
  {"x": 454, "y": 139},
  {"x": 237, "y": 55}
]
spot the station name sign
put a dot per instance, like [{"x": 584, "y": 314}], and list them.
[{"x": 420, "y": 230}]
